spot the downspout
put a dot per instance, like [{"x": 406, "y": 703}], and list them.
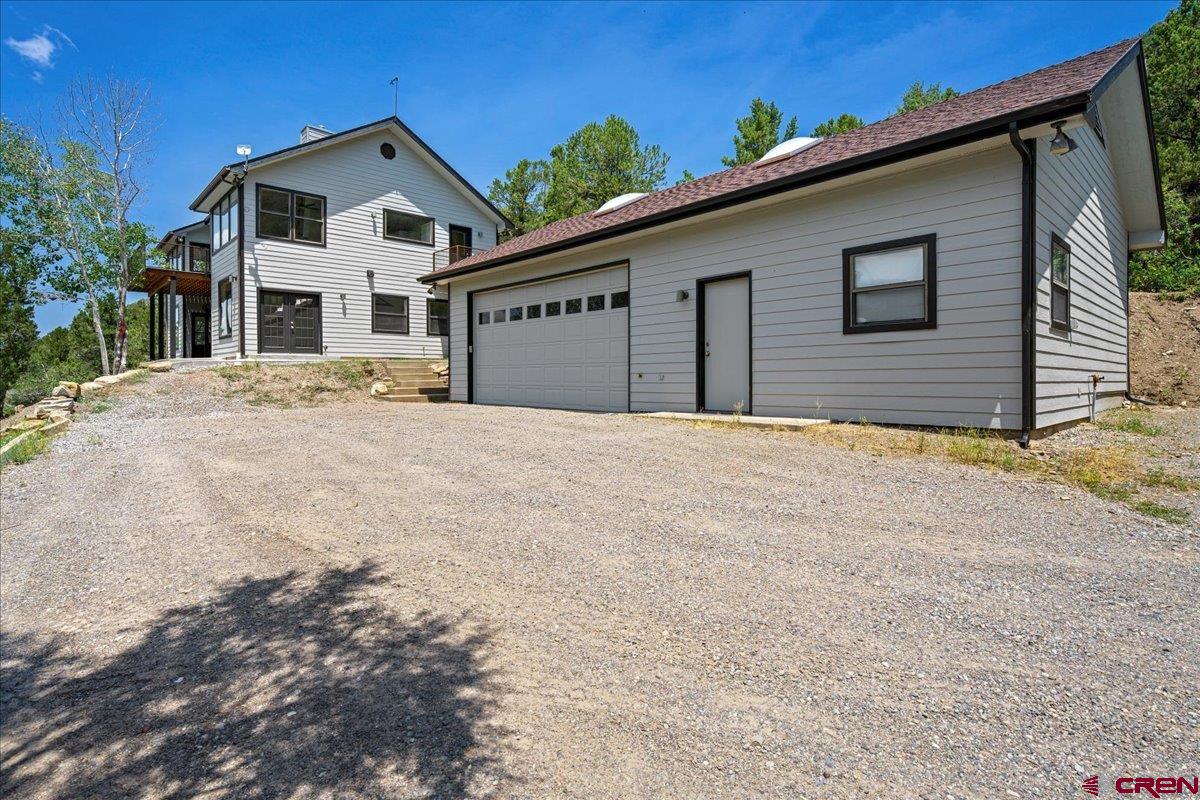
[{"x": 1028, "y": 156}]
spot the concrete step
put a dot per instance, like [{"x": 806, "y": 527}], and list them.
[{"x": 419, "y": 384}]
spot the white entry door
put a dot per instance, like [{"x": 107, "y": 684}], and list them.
[
  {"x": 727, "y": 344},
  {"x": 562, "y": 343}
]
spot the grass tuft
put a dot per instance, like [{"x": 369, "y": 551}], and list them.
[
  {"x": 26, "y": 450},
  {"x": 1159, "y": 511},
  {"x": 1128, "y": 420}
]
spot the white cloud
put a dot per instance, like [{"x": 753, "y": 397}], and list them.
[{"x": 41, "y": 47}]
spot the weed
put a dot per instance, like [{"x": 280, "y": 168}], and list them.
[
  {"x": 1130, "y": 421},
  {"x": 99, "y": 406},
  {"x": 737, "y": 413},
  {"x": 26, "y": 450},
  {"x": 1160, "y": 477},
  {"x": 1165, "y": 513}
]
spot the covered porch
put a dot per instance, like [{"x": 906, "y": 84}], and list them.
[{"x": 180, "y": 318}]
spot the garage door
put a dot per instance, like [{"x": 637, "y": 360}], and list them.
[{"x": 562, "y": 343}]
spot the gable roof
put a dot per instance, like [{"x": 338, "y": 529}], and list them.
[
  {"x": 393, "y": 123},
  {"x": 1041, "y": 96}
]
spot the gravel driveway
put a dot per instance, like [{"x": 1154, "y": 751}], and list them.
[{"x": 201, "y": 598}]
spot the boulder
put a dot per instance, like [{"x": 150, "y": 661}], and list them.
[
  {"x": 379, "y": 388},
  {"x": 26, "y": 425},
  {"x": 88, "y": 388},
  {"x": 66, "y": 389},
  {"x": 107, "y": 380},
  {"x": 156, "y": 366},
  {"x": 56, "y": 426}
]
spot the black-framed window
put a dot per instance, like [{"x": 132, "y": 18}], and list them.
[
  {"x": 485, "y": 317},
  {"x": 437, "y": 317},
  {"x": 553, "y": 308},
  {"x": 290, "y": 215},
  {"x": 596, "y": 302},
  {"x": 498, "y": 315},
  {"x": 516, "y": 314},
  {"x": 890, "y": 286},
  {"x": 405, "y": 227},
  {"x": 619, "y": 300},
  {"x": 389, "y": 313},
  {"x": 575, "y": 306},
  {"x": 533, "y": 311},
  {"x": 225, "y": 308},
  {"x": 223, "y": 222},
  {"x": 1060, "y": 283}
]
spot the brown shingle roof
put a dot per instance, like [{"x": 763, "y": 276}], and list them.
[{"x": 1047, "y": 90}]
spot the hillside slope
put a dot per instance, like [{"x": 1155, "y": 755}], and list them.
[{"x": 1164, "y": 345}]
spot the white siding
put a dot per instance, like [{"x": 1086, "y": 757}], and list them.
[
  {"x": 224, "y": 265},
  {"x": 964, "y": 372},
  {"x": 1077, "y": 199},
  {"x": 358, "y": 183}
]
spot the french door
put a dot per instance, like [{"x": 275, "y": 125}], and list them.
[{"x": 289, "y": 322}]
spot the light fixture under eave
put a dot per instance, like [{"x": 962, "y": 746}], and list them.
[{"x": 1061, "y": 144}]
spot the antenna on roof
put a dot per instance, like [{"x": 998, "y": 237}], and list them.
[
  {"x": 243, "y": 150},
  {"x": 395, "y": 96}
]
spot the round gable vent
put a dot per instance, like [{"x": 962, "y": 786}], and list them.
[{"x": 387, "y": 151}]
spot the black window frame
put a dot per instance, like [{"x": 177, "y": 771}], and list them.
[
  {"x": 291, "y": 237},
  {"x": 228, "y": 219},
  {"x": 928, "y": 280},
  {"x": 407, "y": 313},
  {"x": 224, "y": 284},
  {"x": 1057, "y": 324},
  {"x": 430, "y": 317},
  {"x": 432, "y": 227}
]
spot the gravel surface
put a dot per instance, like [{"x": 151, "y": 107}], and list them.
[{"x": 375, "y": 600}]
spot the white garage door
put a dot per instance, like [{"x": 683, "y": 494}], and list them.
[{"x": 562, "y": 343}]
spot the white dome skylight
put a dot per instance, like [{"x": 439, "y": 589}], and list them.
[
  {"x": 619, "y": 201},
  {"x": 788, "y": 148}
]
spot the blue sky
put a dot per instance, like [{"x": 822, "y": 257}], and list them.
[{"x": 488, "y": 84}]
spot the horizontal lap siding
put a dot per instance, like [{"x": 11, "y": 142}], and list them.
[
  {"x": 1077, "y": 199},
  {"x": 224, "y": 265},
  {"x": 358, "y": 183},
  {"x": 965, "y": 372}
]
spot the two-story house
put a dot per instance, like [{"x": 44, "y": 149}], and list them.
[{"x": 316, "y": 250}]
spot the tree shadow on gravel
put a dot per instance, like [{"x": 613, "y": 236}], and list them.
[{"x": 291, "y": 685}]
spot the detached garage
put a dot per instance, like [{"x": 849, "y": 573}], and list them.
[{"x": 960, "y": 265}]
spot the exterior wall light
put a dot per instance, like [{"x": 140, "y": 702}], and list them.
[
  {"x": 681, "y": 295},
  {"x": 1061, "y": 144}
]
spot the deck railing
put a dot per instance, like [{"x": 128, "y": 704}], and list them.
[
  {"x": 199, "y": 258},
  {"x": 447, "y": 256}
]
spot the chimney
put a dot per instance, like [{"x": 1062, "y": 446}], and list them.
[{"x": 310, "y": 133}]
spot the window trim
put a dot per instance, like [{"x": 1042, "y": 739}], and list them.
[
  {"x": 432, "y": 228},
  {"x": 407, "y": 314},
  {"x": 291, "y": 237},
  {"x": 231, "y": 197},
  {"x": 929, "y": 279},
  {"x": 226, "y": 281},
  {"x": 429, "y": 316},
  {"x": 1059, "y": 325}
]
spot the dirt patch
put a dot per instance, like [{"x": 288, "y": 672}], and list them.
[
  {"x": 287, "y": 386},
  {"x": 1164, "y": 344}
]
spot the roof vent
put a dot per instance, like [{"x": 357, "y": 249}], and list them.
[
  {"x": 310, "y": 133},
  {"x": 787, "y": 149},
  {"x": 620, "y": 201}
]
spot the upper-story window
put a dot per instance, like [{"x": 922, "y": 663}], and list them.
[
  {"x": 224, "y": 222},
  {"x": 406, "y": 227},
  {"x": 290, "y": 215}
]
